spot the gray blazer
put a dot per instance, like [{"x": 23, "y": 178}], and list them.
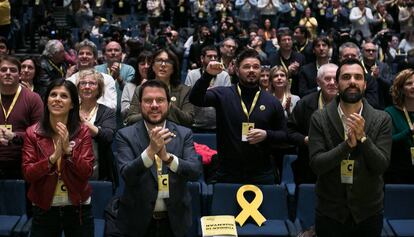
[{"x": 138, "y": 200}]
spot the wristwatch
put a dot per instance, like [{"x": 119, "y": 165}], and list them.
[{"x": 170, "y": 159}]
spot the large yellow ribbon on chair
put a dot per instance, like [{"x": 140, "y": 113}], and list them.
[{"x": 250, "y": 209}]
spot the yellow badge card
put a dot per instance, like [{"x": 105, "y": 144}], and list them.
[
  {"x": 218, "y": 226},
  {"x": 61, "y": 194},
  {"x": 163, "y": 186},
  {"x": 246, "y": 127},
  {"x": 7, "y": 126},
  {"x": 412, "y": 155},
  {"x": 347, "y": 170}
]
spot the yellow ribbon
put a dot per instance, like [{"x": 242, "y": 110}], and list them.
[{"x": 250, "y": 209}]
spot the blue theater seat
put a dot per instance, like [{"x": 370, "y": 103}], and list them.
[
  {"x": 399, "y": 208},
  {"x": 287, "y": 174},
  {"x": 208, "y": 139},
  {"x": 273, "y": 208},
  {"x": 305, "y": 211},
  {"x": 12, "y": 207},
  {"x": 101, "y": 195},
  {"x": 195, "y": 191}
]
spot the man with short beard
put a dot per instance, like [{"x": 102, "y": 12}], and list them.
[
  {"x": 156, "y": 158},
  {"x": 20, "y": 108},
  {"x": 244, "y": 153},
  {"x": 349, "y": 150}
]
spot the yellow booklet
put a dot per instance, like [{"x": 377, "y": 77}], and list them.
[{"x": 218, "y": 226}]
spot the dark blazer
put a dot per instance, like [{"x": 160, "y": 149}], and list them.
[
  {"x": 47, "y": 74},
  {"x": 383, "y": 84},
  {"x": 298, "y": 128},
  {"x": 138, "y": 200},
  {"x": 307, "y": 79},
  {"x": 106, "y": 123},
  {"x": 275, "y": 59}
]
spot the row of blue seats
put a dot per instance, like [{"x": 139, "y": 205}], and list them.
[{"x": 398, "y": 208}]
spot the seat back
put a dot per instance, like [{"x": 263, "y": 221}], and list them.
[
  {"x": 274, "y": 205},
  {"x": 208, "y": 139},
  {"x": 305, "y": 211},
  {"x": 101, "y": 195},
  {"x": 195, "y": 191},
  {"x": 399, "y": 201},
  {"x": 121, "y": 182},
  {"x": 13, "y": 197},
  {"x": 287, "y": 172}
]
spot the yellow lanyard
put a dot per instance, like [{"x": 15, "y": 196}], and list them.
[
  {"x": 407, "y": 117},
  {"x": 320, "y": 101},
  {"x": 60, "y": 69},
  {"x": 304, "y": 46},
  {"x": 284, "y": 65},
  {"x": 365, "y": 68},
  {"x": 6, "y": 114},
  {"x": 92, "y": 113},
  {"x": 256, "y": 97},
  {"x": 159, "y": 164}
]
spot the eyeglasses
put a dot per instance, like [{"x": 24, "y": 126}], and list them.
[
  {"x": 86, "y": 83},
  {"x": 150, "y": 101},
  {"x": 160, "y": 62},
  {"x": 12, "y": 69}
]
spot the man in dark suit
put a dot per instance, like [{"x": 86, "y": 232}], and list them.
[
  {"x": 378, "y": 71},
  {"x": 287, "y": 58},
  {"x": 299, "y": 120},
  {"x": 156, "y": 158},
  {"x": 307, "y": 73}
]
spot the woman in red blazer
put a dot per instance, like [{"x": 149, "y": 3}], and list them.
[{"x": 57, "y": 162}]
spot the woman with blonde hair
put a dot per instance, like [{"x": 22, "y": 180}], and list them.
[
  {"x": 100, "y": 121},
  {"x": 280, "y": 87},
  {"x": 401, "y": 169}
]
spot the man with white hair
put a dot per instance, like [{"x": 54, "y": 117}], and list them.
[
  {"x": 299, "y": 120},
  {"x": 52, "y": 66}
]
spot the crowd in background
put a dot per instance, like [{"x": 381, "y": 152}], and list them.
[{"x": 293, "y": 38}]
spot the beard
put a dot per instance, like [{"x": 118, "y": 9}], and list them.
[
  {"x": 249, "y": 81},
  {"x": 351, "y": 97},
  {"x": 147, "y": 118}
]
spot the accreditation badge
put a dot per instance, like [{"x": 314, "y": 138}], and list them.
[
  {"x": 182, "y": 9},
  {"x": 412, "y": 155},
  {"x": 163, "y": 186},
  {"x": 61, "y": 194},
  {"x": 347, "y": 170},
  {"x": 246, "y": 127},
  {"x": 7, "y": 126}
]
